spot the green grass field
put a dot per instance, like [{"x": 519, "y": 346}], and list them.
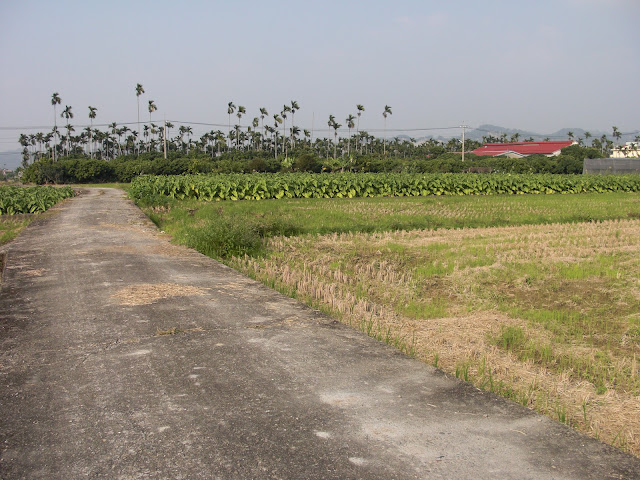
[{"x": 236, "y": 228}]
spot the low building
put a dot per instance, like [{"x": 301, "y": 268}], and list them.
[
  {"x": 523, "y": 149},
  {"x": 628, "y": 150}
]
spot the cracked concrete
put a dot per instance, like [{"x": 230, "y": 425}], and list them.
[{"x": 228, "y": 379}]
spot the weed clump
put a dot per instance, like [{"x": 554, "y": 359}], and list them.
[{"x": 226, "y": 237}]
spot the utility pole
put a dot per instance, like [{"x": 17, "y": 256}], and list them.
[
  {"x": 463, "y": 126},
  {"x": 165, "y": 137}
]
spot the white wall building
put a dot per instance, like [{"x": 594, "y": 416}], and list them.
[{"x": 628, "y": 150}]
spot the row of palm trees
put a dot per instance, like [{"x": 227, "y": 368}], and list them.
[
  {"x": 67, "y": 113},
  {"x": 116, "y": 140},
  {"x": 274, "y": 138},
  {"x": 122, "y": 140}
]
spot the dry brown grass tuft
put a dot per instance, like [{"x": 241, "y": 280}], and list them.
[{"x": 148, "y": 293}]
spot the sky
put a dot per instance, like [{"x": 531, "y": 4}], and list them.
[{"x": 532, "y": 65}]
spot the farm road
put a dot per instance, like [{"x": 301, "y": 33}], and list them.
[{"x": 123, "y": 356}]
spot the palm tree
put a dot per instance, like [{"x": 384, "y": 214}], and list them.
[
  {"x": 132, "y": 141},
  {"x": 350, "y": 125},
  {"x": 616, "y": 133},
  {"x": 114, "y": 132},
  {"x": 68, "y": 114},
  {"x": 55, "y": 100},
  {"x": 152, "y": 108},
  {"x": 167, "y": 127},
  {"x": 294, "y": 132},
  {"x": 70, "y": 129},
  {"x": 587, "y": 135},
  {"x": 360, "y": 109},
  {"x": 139, "y": 91},
  {"x": 387, "y": 111},
  {"x": 263, "y": 113},
  {"x": 294, "y": 108},
  {"x": 570, "y": 135},
  {"x": 24, "y": 141},
  {"x": 189, "y": 132},
  {"x": 92, "y": 115},
  {"x": 285, "y": 109},
  {"x": 55, "y": 133},
  {"x": 241, "y": 111},
  {"x": 276, "y": 120},
  {"x": 181, "y": 131},
  {"x": 40, "y": 139},
  {"x": 154, "y": 131},
  {"x": 604, "y": 142},
  {"x": 218, "y": 138},
  {"x": 335, "y": 125},
  {"x": 230, "y": 109},
  {"x": 255, "y": 124}
]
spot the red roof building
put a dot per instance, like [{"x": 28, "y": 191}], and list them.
[{"x": 523, "y": 149}]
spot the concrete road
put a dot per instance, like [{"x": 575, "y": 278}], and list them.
[{"x": 125, "y": 357}]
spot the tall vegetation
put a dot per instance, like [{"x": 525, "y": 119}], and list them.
[{"x": 351, "y": 185}]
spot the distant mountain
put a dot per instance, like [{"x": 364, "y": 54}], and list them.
[
  {"x": 11, "y": 159},
  {"x": 487, "y": 130},
  {"x": 578, "y": 133}
]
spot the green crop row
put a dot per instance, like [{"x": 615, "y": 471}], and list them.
[
  {"x": 14, "y": 200},
  {"x": 259, "y": 186}
]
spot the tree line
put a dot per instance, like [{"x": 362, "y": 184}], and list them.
[
  {"x": 275, "y": 133},
  {"x": 82, "y": 169}
]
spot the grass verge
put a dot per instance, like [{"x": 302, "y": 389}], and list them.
[{"x": 12, "y": 225}]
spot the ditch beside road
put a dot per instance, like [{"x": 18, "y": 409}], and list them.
[{"x": 124, "y": 356}]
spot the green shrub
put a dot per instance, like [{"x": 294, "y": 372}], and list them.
[
  {"x": 307, "y": 162},
  {"x": 226, "y": 237}
]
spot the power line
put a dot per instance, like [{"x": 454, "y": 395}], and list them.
[{"x": 220, "y": 125}]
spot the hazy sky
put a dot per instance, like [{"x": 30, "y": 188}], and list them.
[{"x": 533, "y": 65}]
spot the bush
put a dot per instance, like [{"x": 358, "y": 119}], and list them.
[
  {"x": 87, "y": 170},
  {"x": 307, "y": 162},
  {"x": 226, "y": 237}
]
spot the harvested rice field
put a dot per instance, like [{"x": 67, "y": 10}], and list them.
[{"x": 547, "y": 315}]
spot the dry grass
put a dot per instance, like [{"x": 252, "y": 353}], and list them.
[
  {"x": 452, "y": 298},
  {"x": 148, "y": 293}
]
